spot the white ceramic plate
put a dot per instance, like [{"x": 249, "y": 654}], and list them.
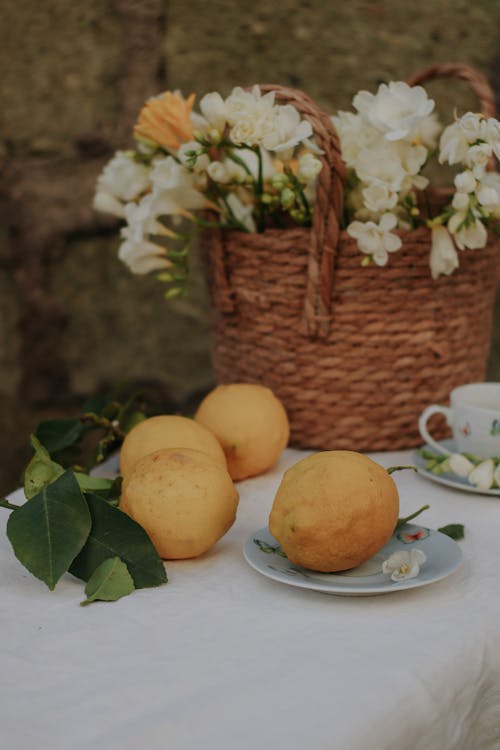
[
  {"x": 444, "y": 556},
  {"x": 450, "y": 480}
]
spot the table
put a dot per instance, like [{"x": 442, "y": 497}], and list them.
[{"x": 222, "y": 658}]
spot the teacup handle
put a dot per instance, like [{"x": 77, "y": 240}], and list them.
[{"x": 422, "y": 425}]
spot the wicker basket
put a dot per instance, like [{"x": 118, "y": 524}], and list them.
[{"x": 354, "y": 353}]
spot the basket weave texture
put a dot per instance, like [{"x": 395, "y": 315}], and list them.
[{"x": 355, "y": 354}]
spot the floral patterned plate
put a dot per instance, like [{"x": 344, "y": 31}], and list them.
[
  {"x": 263, "y": 553},
  {"x": 449, "y": 479}
]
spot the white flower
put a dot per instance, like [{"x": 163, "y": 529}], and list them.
[
  {"x": 379, "y": 197},
  {"x": 241, "y": 212},
  {"x": 218, "y": 172},
  {"x": 482, "y": 476},
  {"x": 121, "y": 180},
  {"x": 467, "y": 233},
  {"x": 376, "y": 239},
  {"x": 477, "y": 158},
  {"x": 175, "y": 189},
  {"x": 460, "y": 465},
  {"x": 288, "y": 129},
  {"x": 202, "y": 161},
  {"x": 395, "y": 110},
  {"x": 355, "y": 135},
  {"x": 461, "y": 201},
  {"x": 496, "y": 475},
  {"x": 308, "y": 168},
  {"x": 141, "y": 219},
  {"x": 474, "y": 126},
  {"x": 404, "y": 564},
  {"x": 443, "y": 257},
  {"x": 453, "y": 144},
  {"x": 250, "y": 114},
  {"x": 493, "y": 135},
  {"x": 213, "y": 108},
  {"x": 143, "y": 256},
  {"x": 427, "y": 131},
  {"x": 465, "y": 182},
  {"x": 382, "y": 165},
  {"x": 490, "y": 182}
]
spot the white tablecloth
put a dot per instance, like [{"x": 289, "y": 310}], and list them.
[{"x": 222, "y": 658}]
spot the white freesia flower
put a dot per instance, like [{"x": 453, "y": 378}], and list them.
[
  {"x": 121, "y": 180},
  {"x": 308, "y": 167},
  {"x": 213, "y": 108},
  {"x": 427, "y": 131},
  {"x": 404, "y": 564},
  {"x": 218, "y": 172},
  {"x": 355, "y": 136},
  {"x": 143, "y": 256},
  {"x": 141, "y": 220},
  {"x": 467, "y": 233},
  {"x": 382, "y": 165},
  {"x": 482, "y": 476},
  {"x": 493, "y": 135},
  {"x": 202, "y": 161},
  {"x": 460, "y": 465},
  {"x": 477, "y": 158},
  {"x": 288, "y": 129},
  {"x": 251, "y": 115},
  {"x": 453, "y": 144},
  {"x": 461, "y": 201},
  {"x": 465, "y": 182},
  {"x": 242, "y": 212},
  {"x": 376, "y": 239},
  {"x": 489, "y": 182},
  {"x": 175, "y": 188},
  {"x": 379, "y": 197},
  {"x": 443, "y": 258},
  {"x": 395, "y": 110},
  {"x": 474, "y": 126}
]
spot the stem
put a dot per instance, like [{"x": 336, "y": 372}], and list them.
[
  {"x": 260, "y": 190},
  {"x": 5, "y": 504},
  {"x": 302, "y": 195},
  {"x": 402, "y": 521},
  {"x": 392, "y": 469}
]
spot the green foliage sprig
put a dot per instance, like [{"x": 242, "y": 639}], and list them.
[{"x": 70, "y": 521}]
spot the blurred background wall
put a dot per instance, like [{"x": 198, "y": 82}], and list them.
[{"x": 73, "y": 320}]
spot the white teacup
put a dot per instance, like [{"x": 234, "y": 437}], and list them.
[{"x": 474, "y": 418}]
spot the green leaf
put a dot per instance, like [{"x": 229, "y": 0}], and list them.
[
  {"x": 40, "y": 471},
  {"x": 109, "y": 582},
  {"x": 57, "y": 434},
  {"x": 114, "y": 534},
  {"x": 48, "y": 531},
  {"x": 454, "y": 530},
  {"x": 93, "y": 484}
]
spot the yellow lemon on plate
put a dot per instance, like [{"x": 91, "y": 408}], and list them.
[
  {"x": 183, "y": 498},
  {"x": 334, "y": 510},
  {"x": 250, "y": 423}
]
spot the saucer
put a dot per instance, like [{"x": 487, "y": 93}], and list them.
[
  {"x": 449, "y": 479},
  {"x": 263, "y": 553}
]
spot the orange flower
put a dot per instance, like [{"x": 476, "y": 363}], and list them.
[{"x": 166, "y": 120}]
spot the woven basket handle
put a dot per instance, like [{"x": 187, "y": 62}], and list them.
[
  {"x": 477, "y": 82},
  {"x": 325, "y": 231}
]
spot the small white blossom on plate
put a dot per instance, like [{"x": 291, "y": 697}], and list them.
[
  {"x": 482, "y": 475},
  {"x": 404, "y": 564},
  {"x": 460, "y": 465}
]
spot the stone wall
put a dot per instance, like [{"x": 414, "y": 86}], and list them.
[{"x": 73, "y": 321}]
